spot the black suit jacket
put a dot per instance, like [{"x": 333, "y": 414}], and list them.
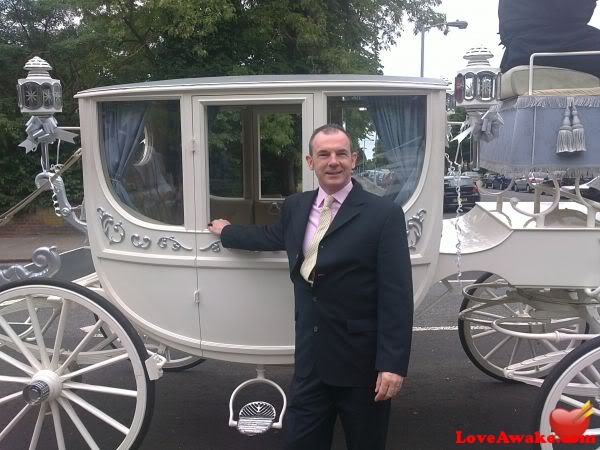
[{"x": 356, "y": 319}]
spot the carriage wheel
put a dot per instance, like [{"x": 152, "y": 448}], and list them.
[
  {"x": 573, "y": 381},
  {"x": 491, "y": 351},
  {"x": 177, "y": 361},
  {"x": 63, "y": 389}
]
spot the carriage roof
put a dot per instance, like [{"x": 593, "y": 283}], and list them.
[{"x": 270, "y": 81}]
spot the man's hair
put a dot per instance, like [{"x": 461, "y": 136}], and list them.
[{"x": 328, "y": 128}]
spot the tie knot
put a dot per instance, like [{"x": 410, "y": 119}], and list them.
[{"x": 328, "y": 201}]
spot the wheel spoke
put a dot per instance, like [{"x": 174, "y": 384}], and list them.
[
  {"x": 93, "y": 367},
  {"x": 14, "y": 422},
  {"x": 497, "y": 347},
  {"x": 37, "y": 331},
  {"x": 16, "y": 363},
  {"x": 492, "y": 294},
  {"x": 60, "y": 332},
  {"x": 511, "y": 311},
  {"x": 514, "y": 351},
  {"x": 86, "y": 339},
  {"x": 487, "y": 314},
  {"x": 484, "y": 333},
  {"x": 71, "y": 396},
  {"x": 19, "y": 343},
  {"x": 11, "y": 397},
  {"x": 78, "y": 423},
  {"x": 58, "y": 431},
  {"x": 9, "y": 379},
  {"x": 38, "y": 426},
  {"x": 549, "y": 345},
  {"x": 101, "y": 389},
  {"x": 531, "y": 348},
  {"x": 108, "y": 340},
  {"x": 571, "y": 401}
]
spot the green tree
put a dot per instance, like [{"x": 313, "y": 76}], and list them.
[{"x": 92, "y": 43}]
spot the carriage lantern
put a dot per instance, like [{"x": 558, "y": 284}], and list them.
[
  {"x": 476, "y": 86},
  {"x": 39, "y": 94},
  {"x": 475, "y": 89}
]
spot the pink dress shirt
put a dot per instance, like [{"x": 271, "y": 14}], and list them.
[{"x": 315, "y": 212}]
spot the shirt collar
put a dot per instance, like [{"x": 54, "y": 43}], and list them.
[{"x": 339, "y": 196}]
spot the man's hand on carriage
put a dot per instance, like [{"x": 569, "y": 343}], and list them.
[
  {"x": 387, "y": 386},
  {"x": 217, "y": 225}
]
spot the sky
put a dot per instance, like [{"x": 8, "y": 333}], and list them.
[{"x": 444, "y": 54}]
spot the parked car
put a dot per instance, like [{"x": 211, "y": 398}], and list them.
[
  {"x": 475, "y": 176},
  {"x": 498, "y": 182},
  {"x": 469, "y": 194},
  {"x": 529, "y": 182},
  {"x": 589, "y": 190}
]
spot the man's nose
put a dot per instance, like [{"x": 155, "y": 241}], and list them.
[{"x": 332, "y": 160}]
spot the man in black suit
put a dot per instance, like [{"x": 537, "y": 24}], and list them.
[{"x": 353, "y": 299}]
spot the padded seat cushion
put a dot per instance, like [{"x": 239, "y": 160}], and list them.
[{"x": 515, "y": 82}]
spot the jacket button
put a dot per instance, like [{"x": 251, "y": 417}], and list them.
[{"x": 315, "y": 328}]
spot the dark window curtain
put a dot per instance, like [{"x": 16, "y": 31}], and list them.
[
  {"x": 123, "y": 130},
  {"x": 400, "y": 125}
]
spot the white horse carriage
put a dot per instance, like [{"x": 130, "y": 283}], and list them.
[{"x": 160, "y": 159}]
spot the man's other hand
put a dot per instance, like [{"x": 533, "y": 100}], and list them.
[{"x": 388, "y": 385}]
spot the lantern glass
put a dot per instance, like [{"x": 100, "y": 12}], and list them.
[
  {"x": 486, "y": 86},
  {"x": 32, "y": 95},
  {"x": 57, "y": 92},
  {"x": 470, "y": 86}
]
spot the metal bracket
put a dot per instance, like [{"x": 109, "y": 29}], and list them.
[{"x": 154, "y": 365}]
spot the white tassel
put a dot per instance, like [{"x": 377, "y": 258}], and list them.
[
  {"x": 578, "y": 132},
  {"x": 564, "y": 142}
]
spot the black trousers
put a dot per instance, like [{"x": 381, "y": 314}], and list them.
[{"x": 314, "y": 406}]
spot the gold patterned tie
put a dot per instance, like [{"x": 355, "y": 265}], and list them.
[{"x": 310, "y": 258}]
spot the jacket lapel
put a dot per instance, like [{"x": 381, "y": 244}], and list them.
[
  {"x": 300, "y": 217},
  {"x": 349, "y": 209}
]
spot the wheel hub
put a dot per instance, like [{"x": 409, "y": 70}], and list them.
[
  {"x": 45, "y": 385},
  {"x": 36, "y": 392}
]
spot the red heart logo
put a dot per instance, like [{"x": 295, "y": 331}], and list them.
[{"x": 562, "y": 422}]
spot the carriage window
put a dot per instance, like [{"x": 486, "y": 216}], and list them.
[
  {"x": 389, "y": 135},
  {"x": 255, "y": 160},
  {"x": 280, "y": 154},
  {"x": 226, "y": 151},
  {"x": 141, "y": 149}
]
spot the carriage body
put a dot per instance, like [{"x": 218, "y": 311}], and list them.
[{"x": 163, "y": 158}]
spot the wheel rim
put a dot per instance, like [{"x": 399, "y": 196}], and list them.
[
  {"x": 573, "y": 382},
  {"x": 95, "y": 399},
  {"x": 492, "y": 351}
]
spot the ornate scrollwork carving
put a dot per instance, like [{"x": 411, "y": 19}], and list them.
[
  {"x": 45, "y": 263},
  {"x": 141, "y": 242},
  {"x": 114, "y": 232},
  {"x": 414, "y": 228},
  {"x": 214, "y": 246},
  {"x": 163, "y": 242}
]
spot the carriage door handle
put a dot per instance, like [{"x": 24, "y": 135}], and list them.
[{"x": 274, "y": 209}]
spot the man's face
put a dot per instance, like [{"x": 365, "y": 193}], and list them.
[{"x": 332, "y": 160}]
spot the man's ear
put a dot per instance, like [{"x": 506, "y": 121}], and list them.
[{"x": 309, "y": 161}]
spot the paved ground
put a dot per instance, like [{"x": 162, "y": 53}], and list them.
[{"x": 20, "y": 248}]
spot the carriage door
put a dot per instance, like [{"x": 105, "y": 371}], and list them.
[{"x": 251, "y": 150}]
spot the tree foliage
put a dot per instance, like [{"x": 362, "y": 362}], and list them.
[{"x": 99, "y": 42}]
